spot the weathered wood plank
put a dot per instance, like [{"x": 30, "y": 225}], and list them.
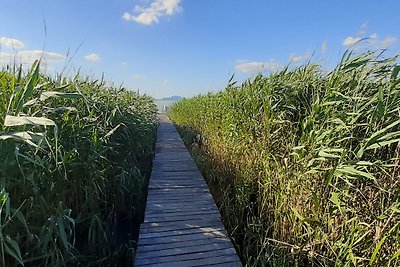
[
  {"x": 158, "y": 227},
  {"x": 226, "y": 261},
  {"x": 194, "y": 242},
  {"x": 182, "y": 232},
  {"x": 178, "y": 207},
  {"x": 189, "y": 175},
  {"x": 182, "y": 223},
  {"x": 178, "y": 190},
  {"x": 181, "y": 214},
  {"x": 196, "y": 248},
  {"x": 171, "y": 197},
  {"x": 192, "y": 256}
]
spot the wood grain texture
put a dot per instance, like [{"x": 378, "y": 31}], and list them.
[{"x": 182, "y": 225}]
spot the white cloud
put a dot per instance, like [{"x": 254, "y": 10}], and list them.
[
  {"x": 373, "y": 36},
  {"x": 165, "y": 82},
  {"x": 37, "y": 54},
  {"x": 363, "y": 29},
  {"x": 388, "y": 41},
  {"x": 256, "y": 66},
  {"x": 247, "y": 67},
  {"x": 27, "y": 57},
  {"x": 11, "y": 42},
  {"x": 151, "y": 14},
  {"x": 295, "y": 58},
  {"x": 324, "y": 47},
  {"x": 93, "y": 57},
  {"x": 137, "y": 76},
  {"x": 349, "y": 41},
  {"x": 124, "y": 64}
]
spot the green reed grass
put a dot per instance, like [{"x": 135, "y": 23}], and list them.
[
  {"x": 74, "y": 159},
  {"x": 304, "y": 163}
]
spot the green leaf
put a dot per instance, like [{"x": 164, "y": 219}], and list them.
[
  {"x": 328, "y": 155},
  {"x": 25, "y": 120},
  {"x": 380, "y": 108},
  {"x": 297, "y": 214},
  {"x": 382, "y": 144},
  {"x": 375, "y": 136},
  {"x": 335, "y": 199},
  {"x": 353, "y": 172},
  {"x": 46, "y": 95},
  {"x": 396, "y": 255},
  {"x": 14, "y": 251},
  {"x": 20, "y": 217},
  {"x": 33, "y": 80},
  {"x": 31, "y": 136},
  {"x": 395, "y": 72},
  {"x": 376, "y": 250},
  {"x": 61, "y": 230}
]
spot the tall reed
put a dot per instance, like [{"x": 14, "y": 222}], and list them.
[
  {"x": 304, "y": 163},
  {"x": 74, "y": 159}
]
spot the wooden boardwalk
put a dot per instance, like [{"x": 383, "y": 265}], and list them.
[{"x": 182, "y": 225}]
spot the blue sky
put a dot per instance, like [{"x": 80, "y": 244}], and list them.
[{"x": 187, "y": 47}]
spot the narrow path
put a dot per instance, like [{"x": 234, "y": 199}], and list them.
[{"x": 182, "y": 225}]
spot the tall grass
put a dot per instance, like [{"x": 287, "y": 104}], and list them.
[
  {"x": 304, "y": 163},
  {"x": 74, "y": 157}
]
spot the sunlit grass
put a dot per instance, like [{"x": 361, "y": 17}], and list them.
[{"x": 305, "y": 163}]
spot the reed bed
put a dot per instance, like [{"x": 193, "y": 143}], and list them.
[
  {"x": 304, "y": 163},
  {"x": 74, "y": 158}
]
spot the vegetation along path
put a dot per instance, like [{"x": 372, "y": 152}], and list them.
[{"x": 182, "y": 225}]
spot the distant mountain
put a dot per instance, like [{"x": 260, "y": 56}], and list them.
[{"x": 172, "y": 98}]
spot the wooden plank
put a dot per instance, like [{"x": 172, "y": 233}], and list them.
[
  {"x": 203, "y": 256},
  {"x": 196, "y": 248},
  {"x": 160, "y": 227},
  {"x": 181, "y": 238},
  {"x": 176, "y": 203},
  {"x": 227, "y": 261},
  {"x": 173, "y": 197},
  {"x": 178, "y": 180},
  {"x": 182, "y": 223},
  {"x": 194, "y": 242},
  {"x": 155, "y": 187},
  {"x": 177, "y": 185},
  {"x": 178, "y": 190},
  {"x": 178, "y": 207},
  {"x": 183, "y": 232},
  {"x": 179, "y": 216},
  {"x": 182, "y": 210},
  {"x": 209, "y": 221}
]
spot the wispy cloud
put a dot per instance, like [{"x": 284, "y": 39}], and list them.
[
  {"x": 374, "y": 36},
  {"x": 363, "y": 29},
  {"x": 151, "y": 14},
  {"x": 388, "y": 41},
  {"x": 349, "y": 41},
  {"x": 246, "y": 66},
  {"x": 324, "y": 47},
  {"x": 11, "y": 42},
  {"x": 295, "y": 58},
  {"x": 373, "y": 40},
  {"x": 137, "y": 76},
  {"x": 93, "y": 57},
  {"x": 27, "y": 57}
]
